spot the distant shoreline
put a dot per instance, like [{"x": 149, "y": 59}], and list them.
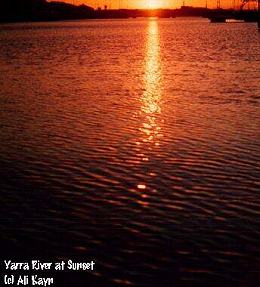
[{"x": 43, "y": 11}]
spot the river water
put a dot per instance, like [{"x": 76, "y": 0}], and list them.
[{"x": 135, "y": 143}]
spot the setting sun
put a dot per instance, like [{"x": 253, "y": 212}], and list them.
[{"x": 153, "y": 4}]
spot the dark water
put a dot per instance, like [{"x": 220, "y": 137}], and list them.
[{"x": 134, "y": 143}]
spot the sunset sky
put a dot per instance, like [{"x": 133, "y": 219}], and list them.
[{"x": 151, "y": 3}]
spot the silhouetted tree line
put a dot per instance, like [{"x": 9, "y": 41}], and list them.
[{"x": 41, "y": 10}]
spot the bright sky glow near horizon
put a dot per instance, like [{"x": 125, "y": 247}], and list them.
[{"x": 153, "y": 3}]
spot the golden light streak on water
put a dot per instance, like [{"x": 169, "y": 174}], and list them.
[
  {"x": 150, "y": 100},
  {"x": 152, "y": 86}
]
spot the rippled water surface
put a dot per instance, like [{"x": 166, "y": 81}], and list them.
[{"x": 135, "y": 143}]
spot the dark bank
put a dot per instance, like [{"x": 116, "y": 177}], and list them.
[{"x": 41, "y": 10}]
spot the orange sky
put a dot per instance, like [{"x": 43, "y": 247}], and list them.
[{"x": 151, "y": 3}]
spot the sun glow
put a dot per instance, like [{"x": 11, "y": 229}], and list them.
[{"x": 154, "y": 4}]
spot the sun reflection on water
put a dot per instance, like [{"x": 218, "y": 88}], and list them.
[
  {"x": 152, "y": 86},
  {"x": 150, "y": 100}
]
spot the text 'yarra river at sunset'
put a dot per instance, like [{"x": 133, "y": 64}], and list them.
[{"x": 133, "y": 143}]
